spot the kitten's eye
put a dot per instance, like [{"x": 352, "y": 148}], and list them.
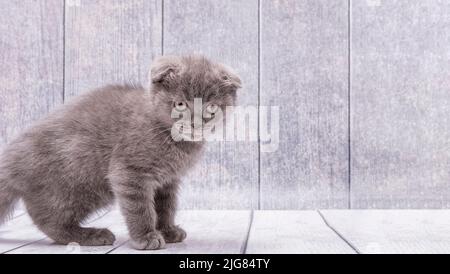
[
  {"x": 180, "y": 106},
  {"x": 212, "y": 108}
]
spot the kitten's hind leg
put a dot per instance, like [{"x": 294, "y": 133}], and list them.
[
  {"x": 89, "y": 236},
  {"x": 85, "y": 236},
  {"x": 63, "y": 226}
]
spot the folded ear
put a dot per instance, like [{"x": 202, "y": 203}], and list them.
[
  {"x": 230, "y": 78},
  {"x": 165, "y": 70}
]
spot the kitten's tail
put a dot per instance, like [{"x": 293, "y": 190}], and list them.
[{"x": 8, "y": 199}]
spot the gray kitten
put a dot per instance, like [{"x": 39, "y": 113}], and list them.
[{"x": 110, "y": 144}]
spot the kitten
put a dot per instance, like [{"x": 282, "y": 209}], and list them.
[{"x": 114, "y": 143}]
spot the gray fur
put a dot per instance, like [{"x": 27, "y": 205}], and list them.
[{"x": 110, "y": 144}]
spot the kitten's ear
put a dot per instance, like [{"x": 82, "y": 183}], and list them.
[
  {"x": 165, "y": 70},
  {"x": 230, "y": 78}
]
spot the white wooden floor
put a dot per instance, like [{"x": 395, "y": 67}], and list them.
[{"x": 325, "y": 231}]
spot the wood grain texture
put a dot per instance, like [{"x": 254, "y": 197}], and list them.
[
  {"x": 304, "y": 69},
  {"x": 400, "y": 118},
  {"x": 208, "y": 231},
  {"x": 31, "y": 62},
  {"x": 110, "y": 41},
  {"x": 393, "y": 231},
  {"x": 288, "y": 232},
  {"x": 226, "y": 31}
]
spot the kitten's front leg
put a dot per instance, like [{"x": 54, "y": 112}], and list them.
[
  {"x": 166, "y": 206},
  {"x": 136, "y": 195}
]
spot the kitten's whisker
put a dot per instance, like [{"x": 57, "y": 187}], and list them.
[
  {"x": 156, "y": 128},
  {"x": 160, "y": 133},
  {"x": 167, "y": 139}
]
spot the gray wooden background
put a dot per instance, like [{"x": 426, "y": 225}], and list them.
[{"x": 363, "y": 88}]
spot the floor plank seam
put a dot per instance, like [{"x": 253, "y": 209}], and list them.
[
  {"x": 247, "y": 236},
  {"x": 17, "y": 216},
  {"x": 116, "y": 247},
  {"x": 12, "y": 217},
  {"x": 30, "y": 243},
  {"x": 15, "y": 248},
  {"x": 352, "y": 246}
]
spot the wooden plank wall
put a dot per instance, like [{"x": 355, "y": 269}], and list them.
[
  {"x": 400, "y": 101},
  {"x": 362, "y": 88},
  {"x": 304, "y": 70},
  {"x": 31, "y": 62},
  {"x": 110, "y": 41}
]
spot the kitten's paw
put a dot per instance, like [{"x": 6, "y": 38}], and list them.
[
  {"x": 97, "y": 237},
  {"x": 174, "y": 234},
  {"x": 153, "y": 240}
]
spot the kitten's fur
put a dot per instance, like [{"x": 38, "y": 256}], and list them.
[{"x": 112, "y": 143}]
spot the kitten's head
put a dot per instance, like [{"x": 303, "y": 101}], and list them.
[{"x": 179, "y": 83}]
